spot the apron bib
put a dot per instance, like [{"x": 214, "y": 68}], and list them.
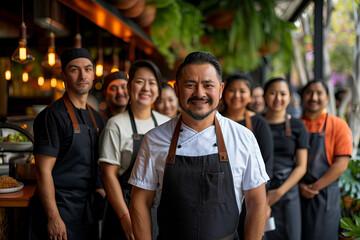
[
  {"x": 321, "y": 214},
  {"x": 287, "y": 210},
  {"x": 198, "y": 199}
]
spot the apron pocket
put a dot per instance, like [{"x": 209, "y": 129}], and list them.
[
  {"x": 332, "y": 197},
  {"x": 213, "y": 188}
]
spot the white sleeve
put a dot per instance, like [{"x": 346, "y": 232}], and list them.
[
  {"x": 109, "y": 145},
  {"x": 144, "y": 174},
  {"x": 255, "y": 172}
]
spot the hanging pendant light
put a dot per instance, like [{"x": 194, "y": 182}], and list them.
[
  {"x": 22, "y": 54},
  {"x": 115, "y": 57},
  {"x": 41, "y": 81},
  {"x": 53, "y": 82},
  {"x": 25, "y": 77},
  {"x": 115, "y": 67},
  {"x": 8, "y": 71},
  {"x": 51, "y": 59},
  {"x": 77, "y": 38},
  {"x": 99, "y": 69}
]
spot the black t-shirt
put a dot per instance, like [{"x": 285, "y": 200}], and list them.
[
  {"x": 53, "y": 130},
  {"x": 263, "y": 135},
  {"x": 285, "y": 146}
]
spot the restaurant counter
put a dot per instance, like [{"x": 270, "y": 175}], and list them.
[
  {"x": 15, "y": 213},
  {"x": 18, "y": 199}
]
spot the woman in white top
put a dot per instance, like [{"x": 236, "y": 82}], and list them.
[{"x": 120, "y": 142}]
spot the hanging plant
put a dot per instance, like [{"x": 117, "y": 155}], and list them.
[
  {"x": 177, "y": 27},
  {"x": 238, "y": 36}
]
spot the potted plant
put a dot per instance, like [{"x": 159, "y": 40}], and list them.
[{"x": 350, "y": 201}]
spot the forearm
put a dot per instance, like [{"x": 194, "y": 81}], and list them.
[
  {"x": 114, "y": 193},
  {"x": 46, "y": 190},
  {"x": 256, "y": 207},
  {"x": 295, "y": 176},
  {"x": 140, "y": 206},
  {"x": 332, "y": 174},
  {"x": 297, "y": 173}
]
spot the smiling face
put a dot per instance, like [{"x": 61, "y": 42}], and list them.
[
  {"x": 257, "y": 102},
  {"x": 277, "y": 96},
  {"x": 237, "y": 95},
  {"x": 79, "y": 76},
  {"x": 144, "y": 88},
  {"x": 199, "y": 90},
  {"x": 315, "y": 98},
  {"x": 167, "y": 103},
  {"x": 117, "y": 94}
]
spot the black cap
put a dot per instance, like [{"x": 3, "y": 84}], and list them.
[
  {"x": 73, "y": 53},
  {"x": 113, "y": 76}
]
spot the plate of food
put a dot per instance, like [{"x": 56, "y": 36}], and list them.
[
  {"x": 9, "y": 185},
  {"x": 16, "y": 146},
  {"x": 15, "y": 142}
]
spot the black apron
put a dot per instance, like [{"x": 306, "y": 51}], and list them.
[
  {"x": 321, "y": 214},
  {"x": 198, "y": 198},
  {"x": 74, "y": 180},
  {"x": 286, "y": 211},
  {"x": 112, "y": 227}
]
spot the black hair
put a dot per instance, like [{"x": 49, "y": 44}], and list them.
[
  {"x": 166, "y": 85},
  {"x": 200, "y": 58},
  {"x": 148, "y": 64},
  {"x": 315, "y": 81},
  {"x": 274, "y": 80},
  {"x": 239, "y": 77},
  {"x": 236, "y": 77}
]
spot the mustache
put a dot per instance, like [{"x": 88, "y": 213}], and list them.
[
  {"x": 199, "y": 99},
  {"x": 83, "y": 81}
]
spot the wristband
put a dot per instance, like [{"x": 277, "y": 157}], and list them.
[{"x": 125, "y": 215}]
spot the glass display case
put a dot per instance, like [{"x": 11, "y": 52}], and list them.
[{"x": 16, "y": 145}]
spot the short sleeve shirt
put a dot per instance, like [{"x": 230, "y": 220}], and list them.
[
  {"x": 53, "y": 129},
  {"x": 263, "y": 135},
  {"x": 245, "y": 159},
  {"x": 116, "y": 142},
  {"x": 338, "y": 136}
]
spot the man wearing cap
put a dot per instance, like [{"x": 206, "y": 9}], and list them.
[
  {"x": 65, "y": 148},
  {"x": 116, "y": 94}
]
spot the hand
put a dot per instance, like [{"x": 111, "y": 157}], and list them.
[
  {"x": 268, "y": 212},
  {"x": 274, "y": 195},
  {"x": 101, "y": 191},
  {"x": 306, "y": 191},
  {"x": 56, "y": 229},
  {"x": 126, "y": 225}
]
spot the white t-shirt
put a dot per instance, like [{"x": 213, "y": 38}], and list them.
[
  {"x": 116, "y": 142},
  {"x": 247, "y": 165}
]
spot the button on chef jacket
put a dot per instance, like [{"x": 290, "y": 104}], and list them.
[{"x": 247, "y": 165}]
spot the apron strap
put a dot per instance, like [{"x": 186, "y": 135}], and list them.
[
  {"x": 287, "y": 125},
  {"x": 71, "y": 112},
  {"x": 93, "y": 119},
  {"x": 322, "y": 133},
  {"x": 133, "y": 124},
  {"x": 220, "y": 142},
  {"x": 174, "y": 140},
  {"x": 248, "y": 123}
]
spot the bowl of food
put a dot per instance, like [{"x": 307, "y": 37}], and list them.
[{"x": 15, "y": 142}]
